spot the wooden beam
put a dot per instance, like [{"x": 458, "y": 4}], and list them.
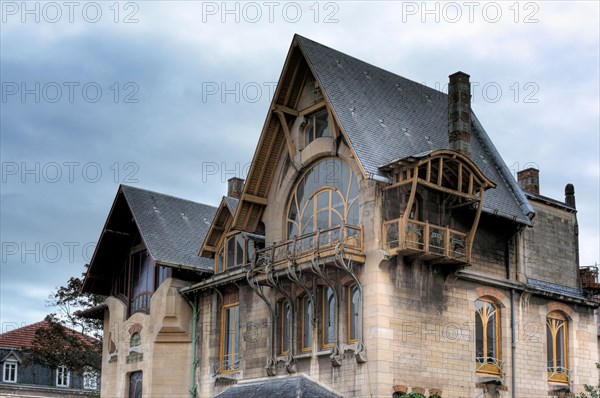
[
  {"x": 312, "y": 108},
  {"x": 286, "y": 132},
  {"x": 255, "y": 199},
  {"x": 448, "y": 190},
  {"x": 285, "y": 109}
]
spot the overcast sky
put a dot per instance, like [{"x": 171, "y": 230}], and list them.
[{"x": 171, "y": 96}]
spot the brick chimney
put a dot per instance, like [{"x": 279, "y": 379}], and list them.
[
  {"x": 459, "y": 112},
  {"x": 529, "y": 180},
  {"x": 235, "y": 186},
  {"x": 570, "y": 195}
]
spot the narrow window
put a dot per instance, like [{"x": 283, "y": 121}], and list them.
[
  {"x": 317, "y": 127},
  {"x": 556, "y": 335},
  {"x": 329, "y": 326},
  {"x": 90, "y": 380},
  {"x": 487, "y": 337},
  {"x": 135, "y": 384},
  {"x": 235, "y": 251},
  {"x": 230, "y": 337},
  {"x": 307, "y": 329},
  {"x": 353, "y": 309},
  {"x": 63, "y": 376},
  {"x": 286, "y": 327},
  {"x": 9, "y": 374},
  {"x": 142, "y": 271}
]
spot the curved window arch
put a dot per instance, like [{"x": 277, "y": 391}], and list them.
[
  {"x": 557, "y": 347},
  {"x": 353, "y": 313},
  {"x": 325, "y": 196},
  {"x": 307, "y": 326},
  {"x": 487, "y": 336}
]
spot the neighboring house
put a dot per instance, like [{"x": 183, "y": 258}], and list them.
[
  {"x": 378, "y": 246},
  {"x": 34, "y": 380}
]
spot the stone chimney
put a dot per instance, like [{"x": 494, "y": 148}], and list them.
[
  {"x": 570, "y": 195},
  {"x": 529, "y": 180},
  {"x": 459, "y": 113},
  {"x": 235, "y": 186}
]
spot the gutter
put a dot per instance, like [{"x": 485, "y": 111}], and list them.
[
  {"x": 184, "y": 266},
  {"x": 215, "y": 280},
  {"x": 193, "y": 303},
  {"x": 521, "y": 287}
]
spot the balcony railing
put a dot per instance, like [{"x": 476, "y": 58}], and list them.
[
  {"x": 428, "y": 241},
  {"x": 322, "y": 242}
]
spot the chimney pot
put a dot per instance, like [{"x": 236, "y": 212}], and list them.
[
  {"x": 529, "y": 180},
  {"x": 459, "y": 113},
  {"x": 235, "y": 186},
  {"x": 570, "y": 195}
]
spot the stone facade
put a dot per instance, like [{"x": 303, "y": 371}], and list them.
[{"x": 424, "y": 258}]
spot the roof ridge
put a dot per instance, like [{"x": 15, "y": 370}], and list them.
[
  {"x": 165, "y": 195},
  {"x": 371, "y": 65}
]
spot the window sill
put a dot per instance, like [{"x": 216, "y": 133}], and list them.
[
  {"x": 304, "y": 355},
  {"x": 324, "y": 352}
]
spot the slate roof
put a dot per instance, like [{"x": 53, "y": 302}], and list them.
[
  {"x": 172, "y": 228},
  {"x": 23, "y": 337},
  {"x": 388, "y": 117},
  {"x": 555, "y": 288},
  {"x": 286, "y": 387},
  {"x": 232, "y": 203}
]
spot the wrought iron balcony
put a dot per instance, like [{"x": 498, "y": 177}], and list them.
[
  {"x": 321, "y": 243},
  {"x": 426, "y": 241}
]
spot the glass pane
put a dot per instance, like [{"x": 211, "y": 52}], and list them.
[
  {"x": 322, "y": 124},
  {"x": 549, "y": 344},
  {"x": 286, "y": 321},
  {"x": 329, "y": 317},
  {"x": 307, "y": 323},
  {"x": 230, "y": 252},
  {"x": 239, "y": 250},
  {"x": 491, "y": 336},
  {"x": 353, "y": 312},
  {"x": 560, "y": 344},
  {"x": 135, "y": 385},
  {"x": 478, "y": 335}
]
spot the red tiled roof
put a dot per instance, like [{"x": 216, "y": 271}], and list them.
[{"x": 23, "y": 337}]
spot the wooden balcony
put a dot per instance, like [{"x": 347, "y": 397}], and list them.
[{"x": 426, "y": 241}]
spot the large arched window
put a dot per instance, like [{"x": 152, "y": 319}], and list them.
[
  {"x": 557, "y": 350},
  {"x": 325, "y": 196},
  {"x": 487, "y": 337}
]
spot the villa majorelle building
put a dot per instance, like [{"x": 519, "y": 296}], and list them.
[{"x": 379, "y": 245}]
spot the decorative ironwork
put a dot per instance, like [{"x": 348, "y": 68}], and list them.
[{"x": 483, "y": 364}]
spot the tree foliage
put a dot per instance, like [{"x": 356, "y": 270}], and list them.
[
  {"x": 69, "y": 340},
  {"x": 594, "y": 391}
]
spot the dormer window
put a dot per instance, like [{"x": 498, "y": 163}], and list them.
[
  {"x": 317, "y": 126},
  {"x": 237, "y": 250}
]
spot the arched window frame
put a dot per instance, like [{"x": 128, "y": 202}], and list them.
[
  {"x": 557, "y": 324},
  {"x": 306, "y": 329},
  {"x": 230, "y": 353},
  {"x": 488, "y": 311},
  {"x": 328, "y": 315},
  {"x": 285, "y": 327},
  {"x": 326, "y": 185},
  {"x": 354, "y": 313}
]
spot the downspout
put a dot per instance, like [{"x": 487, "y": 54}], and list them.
[
  {"x": 513, "y": 348},
  {"x": 193, "y": 303}
]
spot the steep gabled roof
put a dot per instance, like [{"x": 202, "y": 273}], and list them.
[
  {"x": 384, "y": 117},
  {"x": 224, "y": 214},
  {"x": 171, "y": 228},
  {"x": 23, "y": 337},
  {"x": 387, "y": 117}
]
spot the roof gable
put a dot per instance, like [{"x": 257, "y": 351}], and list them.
[
  {"x": 387, "y": 117},
  {"x": 222, "y": 218},
  {"x": 383, "y": 116},
  {"x": 23, "y": 337},
  {"x": 172, "y": 229}
]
